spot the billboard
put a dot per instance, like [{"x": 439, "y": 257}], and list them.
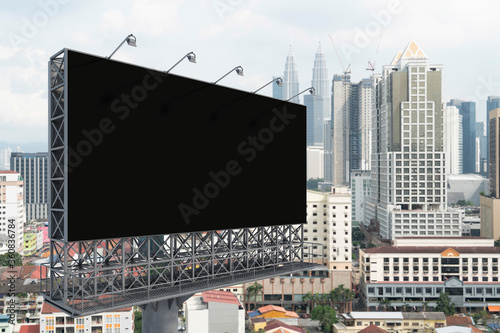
[{"x": 150, "y": 153}]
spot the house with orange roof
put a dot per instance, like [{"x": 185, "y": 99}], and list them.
[{"x": 275, "y": 312}]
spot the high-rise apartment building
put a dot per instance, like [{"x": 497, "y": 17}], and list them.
[
  {"x": 291, "y": 78},
  {"x": 349, "y": 134},
  {"x": 453, "y": 140},
  {"x": 408, "y": 194},
  {"x": 12, "y": 216},
  {"x": 33, "y": 169},
  {"x": 490, "y": 203},
  {"x": 329, "y": 223},
  {"x": 360, "y": 191},
  {"x": 318, "y": 105},
  {"x": 468, "y": 112}
]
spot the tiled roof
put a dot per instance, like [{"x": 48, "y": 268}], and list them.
[
  {"x": 220, "y": 297},
  {"x": 372, "y": 329},
  {"x": 7, "y": 171},
  {"x": 30, "y": 328},
  {"x": 272, "y": 324},
  {"x": 458, "y": 321}
]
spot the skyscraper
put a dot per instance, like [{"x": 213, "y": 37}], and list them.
[
  {"x": 318, "y": 105},
  {"x": 490, "y": 203},
  {"x": 340, "y": 131},
  {"x": 453, "y": 140},
  {"x": 468, "y": 112},
  {"x": 493, "y": 102},
  {"x": 34, "y": 171},
  {"x": 291, "y": 78},
  {"x": 408, "y": 194}
]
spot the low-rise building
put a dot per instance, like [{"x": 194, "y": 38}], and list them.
[
  {"x": 214, "y": 311},
  {"x": 116, "y": 321},
  {"x": 402, "y": 322},
  {"x": 416, "y": 270},
  {"x": 288, "y": 291}
]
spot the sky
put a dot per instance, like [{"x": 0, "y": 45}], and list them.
[{"x": 255, "y": 34}]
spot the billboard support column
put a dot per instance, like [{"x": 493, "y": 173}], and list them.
[{"x": 162, "y": 316}]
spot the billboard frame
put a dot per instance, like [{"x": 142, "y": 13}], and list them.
[{"x": 86, "y": 277}]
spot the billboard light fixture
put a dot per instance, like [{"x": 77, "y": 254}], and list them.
[
  {"x": 312, "y": 91},
  {"x": 238, "y": 69},
  {"x": 190, "y": 56},
  {"x": 130, "y": 39},
  {"x": 279, "y": 82}
]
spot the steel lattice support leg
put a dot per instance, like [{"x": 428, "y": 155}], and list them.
[{"x": 161, "y": 316}]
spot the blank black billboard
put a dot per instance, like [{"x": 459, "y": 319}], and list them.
[{"x": 152, "y": 153}]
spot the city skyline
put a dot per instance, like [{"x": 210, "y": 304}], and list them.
[{"x": 224, "y": 34}]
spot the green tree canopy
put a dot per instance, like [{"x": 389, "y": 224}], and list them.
[
  {"x": 444, "y": 304},
  {"x": 11, "y": 259},
  {"x": 326, "y": 316},
  {"x": 312, "y": 183}
]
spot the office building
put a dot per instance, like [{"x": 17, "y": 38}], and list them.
[
  {"x": 408, "y": 160},
  {"x": 418, "y": 269},
  {"x": 12, "y": 215},
  {"x": 453, "y": 140},
  {"x": 291, "y": 78},
  {"x": 360, "y": 191},
  {"x": 318, "y": 105},
  {"x": 490, "y": 202},
  {"x": 481, "y": 149},
  {"x": 33, "y": 168},
  {"x": 468, "y": 112},
  {"x": 493, "y": 102}
]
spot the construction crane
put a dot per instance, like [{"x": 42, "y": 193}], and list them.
[
  {"x": 371, "y": 66},
  {"x": 347, "y": 70}
]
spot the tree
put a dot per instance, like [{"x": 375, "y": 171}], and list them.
[
  {"x": 308, "y": 299},
  {"x": 312, "y": 183},
  {"x": 11, "y": 259},
  {"x": 385, "y": 303},
  {"x": 444, "y": 304},
  {"x": 497, "y": 242},
  {"x": 342, "y": 296},
  {"x": 326, "y": 316},
  {"x": 137, "y": 320},
  {"x": 252, "y": 291}
]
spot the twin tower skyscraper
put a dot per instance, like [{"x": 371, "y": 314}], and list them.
[{"x": 338, "y": 116}]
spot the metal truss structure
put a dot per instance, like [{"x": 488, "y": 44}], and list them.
[{"x": 87, "y": 277}]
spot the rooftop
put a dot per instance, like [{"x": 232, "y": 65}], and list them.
[
  {"x": 220, "y": 297},
  {"x": 372, "y": 329},
  {"x": 432, "y": 249}
]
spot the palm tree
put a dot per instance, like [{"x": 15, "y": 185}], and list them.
[
  {"x": 343, "y": 296},
  {"x": 424, "y": 306},
  {"x": 385, "y": 303},
  {"x": 308, "y": 298},
  {"x": 254, "y": 290},
  {"x": 316, "y": 298},
  {"x": 406, "y": 307}
]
